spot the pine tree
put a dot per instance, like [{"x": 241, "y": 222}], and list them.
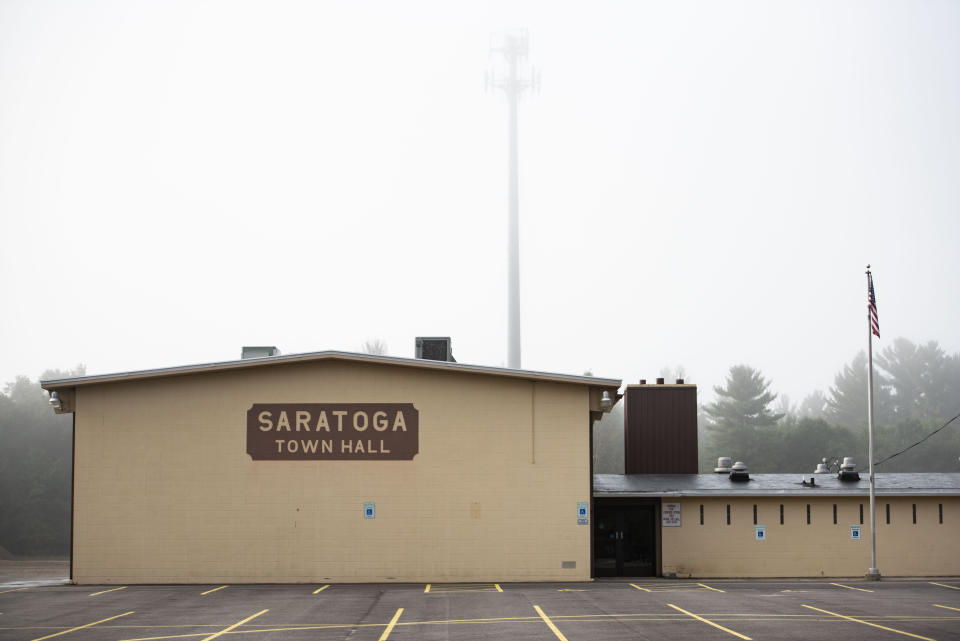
[
  {"x": 922, "y": 385},
  {"x": 847, "y": 403},
  {"x": 741, "y": 412}
]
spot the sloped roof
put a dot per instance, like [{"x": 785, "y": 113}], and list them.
[
  {"x": 329, "y": 355},
  {"x": 720, "y": 485}
]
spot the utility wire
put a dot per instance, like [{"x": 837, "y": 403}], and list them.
[{"x": 920, "y": 441}]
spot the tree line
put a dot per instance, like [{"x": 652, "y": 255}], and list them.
[
  {"x": 36, "y": 469},
  {"x": 916, "y": 390}
]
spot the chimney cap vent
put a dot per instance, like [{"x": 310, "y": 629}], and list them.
[{"x": 724, "y": 465}]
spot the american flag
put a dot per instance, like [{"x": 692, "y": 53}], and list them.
[{"x": 872, "y": 306}]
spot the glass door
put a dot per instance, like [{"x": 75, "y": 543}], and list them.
[
  {"x": 624, "y": 541},
  {"x": 605, "y": 542},
  {"x": 639, "y": 545}
]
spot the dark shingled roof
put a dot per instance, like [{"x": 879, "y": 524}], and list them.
[{"x": 720, "y": 485}]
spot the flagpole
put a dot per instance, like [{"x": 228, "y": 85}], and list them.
[{"x": 873, "y": 574}]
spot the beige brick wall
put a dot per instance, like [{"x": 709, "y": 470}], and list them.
[
  {"x": 796, "y": 549},
  {"x": 165, "y": 491}
]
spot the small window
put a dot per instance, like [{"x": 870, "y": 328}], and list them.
[
  {"x": 754, "y": 513},
  {"x": 808, "y": 514},
  {"x": 728, "y": 514},
  {"x": 701, "y": 514},
  {"x": 914, "y": 513},
  {"x": 781, "y": 514},
  {"x": 834, "y": 513},
  {"x": 888, "y": 514},
  {"x": 861, "y": 514},
  {"x": 941, "y": 514}
]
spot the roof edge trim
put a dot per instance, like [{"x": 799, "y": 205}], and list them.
[{"x": 284, "y": 359}]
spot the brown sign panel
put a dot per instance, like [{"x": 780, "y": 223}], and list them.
[{"x": 332, "y": 431}]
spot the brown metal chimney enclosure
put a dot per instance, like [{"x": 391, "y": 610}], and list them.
[{"x": 660, "y": 429}]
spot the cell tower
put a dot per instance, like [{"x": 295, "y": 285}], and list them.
[{"x": 513, "y": 47}]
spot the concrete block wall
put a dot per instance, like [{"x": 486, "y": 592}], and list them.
[
  {"x": 822, "y": 548},
  {"x": 166, "y": 493}
]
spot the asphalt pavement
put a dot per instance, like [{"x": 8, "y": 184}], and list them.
[{"x": 662, "y": 609}]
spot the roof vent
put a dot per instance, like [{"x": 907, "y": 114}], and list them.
[
  {"x": 659, "y": 381},
  {"x": 724, "y": 465},
  {"x": 263, "y": 351},
  {"x": 435, "y": 348},
  {"x": 739, "y": 472},
  {"x": 822, "y": 468},
  {"x": 848, "y": 470}
]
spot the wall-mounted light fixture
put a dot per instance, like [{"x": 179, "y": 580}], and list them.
[
  {"x": 605, "y": 401},
  {"x": 55, "y": 401}
]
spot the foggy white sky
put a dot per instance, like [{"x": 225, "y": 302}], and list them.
[{"x": 702, "y": 183}]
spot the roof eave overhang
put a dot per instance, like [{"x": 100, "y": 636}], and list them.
[{"x": 269, "y": 361}]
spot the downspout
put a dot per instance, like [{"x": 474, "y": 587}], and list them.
[
  {"x": 593, "y": 512},
  {"x": 533, "y": 423}
]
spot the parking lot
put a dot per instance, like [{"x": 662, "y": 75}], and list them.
[{"x": 640, "y": 609}]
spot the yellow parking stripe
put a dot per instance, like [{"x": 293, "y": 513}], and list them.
[
  {"x": 319, "y": 590},
  {"x": 639, "y": 588},
  {"x": 874, "y": 625},
  {"x": 840, "y": 585},
  {"x": 393, "y": 622},
  {"x": 946, "y": 607},
  {"x": 13, "y": 590},
  {"x": 451, "y": 588},
  {"x": 719, "y": 627},
  {"x": 709, "y": 588},
  {"x": 214, "y": 590},
  {"x": 235, "y": 625},
  {"x": 81, "y": 627},
  {"x": 944, "y": 585},
  {"x": 549, "y": 623},
  {"x": 105, "y": 591}
]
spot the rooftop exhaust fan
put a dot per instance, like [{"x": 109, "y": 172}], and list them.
[
  {"x": 739, "y": 472},
  {"x": 848, "y": 470},
  {"x": 724, "y": 465}
]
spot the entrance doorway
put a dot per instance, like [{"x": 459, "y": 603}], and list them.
[{"x": 625, "y": 540}]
